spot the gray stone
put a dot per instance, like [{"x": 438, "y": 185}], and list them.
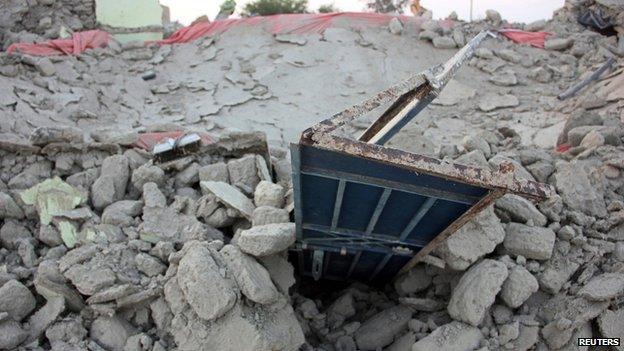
[
  {"x": 44, "y": 317},
  {"x": 89, "y": 280},
  {"x": 162, "y": 250},
  {"x": 558, "y": 44},
  {"x": 577, "y": 191},
  {"x": 149, "y": 265},
  {"x": 252, "y": 278},
  {"x": 147, "y": 173},
  {"x": 269, "y": 194},
  {"x": 535, "y": 26},
  {"x": 419, "y": 304},
  {"x": 472, "y": 241},
  {"x": 200, "y": 279},
  {"x": 427, "y": 35},
  {"x": 493, "y": 16},
  {"x": 12, "y": 233},
  {"x": 508, "y": 332},
  {"x": 504, "y": 79},
  {"x": 541, "y": 74},
  {"x": 49, "y": 235},
  {"x": 474, "y": 158},
  {"x": 415, "y": 280},
  {"x": 139, "y": 342},
  {"x": 475, "y": 142},
  {"x": 509, "y": 55},
  {"x": 395, "y": 26},
  {"x": 188, "y": 176},
  {"x": 476, "y": 291},
  {"x": 267, "y": 215},
  {"x": 244, "y": 174},
  {"x": 11, "y": 334},
  {"x": 267, "y": 239},
  {"x": 340, "y": 310},
  {"x": 111, "y": 332},
  {"x": 166, "y": 224},
  {"x": 444, "y": 43},
  {"x": 281, "y": 271},
  {"x": 217, "y": 172},
  {"x": 611, "y": 325},
  {"x": 230, "y": 196},
  {"x": 122, "y": 213},
  {"x": 492, "y": 102},
  {"x": 45, "y": 67},
  {"x": 379, "y": 330},
  {"x": 16, "y": 300},
  {"x": 531, "y": 242},
  {"x": 152, "y": 196},
  {"x": 519, "y": 171},
  {"x": 8, "y": 207},
  {"x": 455, "y": 336},
  {"x": 115, "y": 171},
  {"x": 403, "y": 342},
  {"x": 518, "y": 287},
  {"x": 520, "y": 210},
  {"x": 603, "y": 287}
]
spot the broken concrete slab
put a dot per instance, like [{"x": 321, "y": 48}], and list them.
[
  {"x": 475, "y": 239},
  {"x": 476, "y": 291},
  {"x": 11, "y": 334},
  {"x": 521, "y": 210},
  {"x": 268, "y": 239},
  {"x": 229, "y": 196},
  {"x": 415, "y": 280},
  {"x": 9, "y": 208},
  {"x": 16, "y": 300},
  {"x": 531, "y": 242},
  {"x": 577, "y": 191},
  {"x": 253, "y": 279},
  {"x": 267, "y": 215},
  {"x": 379, "y": 330},
  {"x": 455, "y": 336},
  {"x": 493, "y": 102},
  {"x": 611, "y": 325},
  {"x": 44, "y": 317},
  {"x": 518, "y": 287},
  {"x": 269, "y": 194},
  {"x": 200, "y": 279},
  {"x": 111, "y": 332},
  {"x": 603, "y": 287}
]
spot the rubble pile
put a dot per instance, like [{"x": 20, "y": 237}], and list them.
[
  {"x": 103, "y": 249},
  {"x": 37, "y": 20}
]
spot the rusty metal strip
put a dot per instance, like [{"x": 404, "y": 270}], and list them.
[
  {"x": 448, "y": 231},
  {"x": 503, "y": 178}
]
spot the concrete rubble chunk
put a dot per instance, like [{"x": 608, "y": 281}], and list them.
[
  {"x": 89, "y": 280},
  {"x": 395, "y": 26},
  {"x": 230, "y": 196},
  {"x": 281, "y": 272},
  {"x": 12, "y": 233},
  {"x": 268, "y": 239},
  {"x": 340, "y": 310},
  {"x": 267, "y": 215},
  {"x": 16, "y": 300},
  {"x": 520, "y": 210},
  {"x": 444, "y": 43},
  {"x": 166, "y": 224},
  {"x": 44, "y": 317},
  {"x": 149, "y": 265},
  {"x": 147, "y": 173},
  {"x": 152, "y": 196},
  {"x": 122, "y": 213},
  {"x": 531, "y": 242},
  {"x": 216, "y": 172},
  {"x": 54, "y": 197},
  {"x": 611, "y": 325},
  {"x": 379, "y": 330},
  {"x": 518, "y": 287},
  {"x": 205, "y": 289},
  {"x": 558, "y": 44},
  {"x": 476, "y": 291},
  {"x": 243, "y": 173},
  {"x": 493, "y": 102},
  {"x": 252, "y": 278},
  {"x": 427, "y": 305},
  {"x": 577, "y": 191},
  {"x": 111, "y": 332},
  {"x": 56, "y": 134},
  {"x": 455, "y": 336},
  {"x": 11, "y": 334},
  {"x": 9, "y": 208},
  {"x": 415, "y": 280},
  {"x": 603, "y": 287},
  {"x": 474, "y": 240},
  {"x": 269, "y": 194}
]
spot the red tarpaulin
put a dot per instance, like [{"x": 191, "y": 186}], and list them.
[
  {"x": 78, "y": 43},
  {"x": 535, "y": 39},
  {"x": 290, "y": 23}
]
